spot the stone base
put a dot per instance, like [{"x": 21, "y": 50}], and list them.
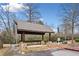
[
  {"x": 21, "y": 52},
  {"x": 42, "y": 42},
  {"x": 22, "y": 47},
  {"x": 49, "y": 43}
]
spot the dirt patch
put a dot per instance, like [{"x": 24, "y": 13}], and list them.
[{"x": 3, "y": 51}]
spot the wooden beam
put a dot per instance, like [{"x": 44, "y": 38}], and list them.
[{"x": 30, "y": 32}]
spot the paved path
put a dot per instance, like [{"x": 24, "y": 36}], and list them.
[
  {"x": 56, "y": 52},
  {"x": 65, "y": 53}
]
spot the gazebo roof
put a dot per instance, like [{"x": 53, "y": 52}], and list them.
[{"x": 32, "y": 27}]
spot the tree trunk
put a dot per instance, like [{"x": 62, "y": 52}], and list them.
[{"x": 72, "y": 31}]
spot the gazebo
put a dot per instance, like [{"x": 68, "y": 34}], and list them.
[{"x": 23, "y": 27}]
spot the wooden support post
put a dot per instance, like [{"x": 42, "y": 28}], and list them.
[
  {"x": 49, "y": 36},
  {"x": 42, "y": 37},
  {"x": 42, "y": 42},
  {"x": 23, "y": 37}
]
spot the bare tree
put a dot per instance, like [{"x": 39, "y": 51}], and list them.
[
  {"x": 6, "y": 18},
  {"x": 66, "y": 28},
  {"x": 71, "y": 15},
  {"x": 32, "y": 12},
  {"x": 2, "y": 18}
]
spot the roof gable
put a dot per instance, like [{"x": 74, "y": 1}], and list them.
[{"x": 27, "y": 26}]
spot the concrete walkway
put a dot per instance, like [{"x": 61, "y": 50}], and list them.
[{"x": 65, "y": 53}]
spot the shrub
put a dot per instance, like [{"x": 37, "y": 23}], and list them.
[
  {"x": 76, "y": 39},
  {"x": 7, "y": 39},
  {"x": 1, "y": 43}
]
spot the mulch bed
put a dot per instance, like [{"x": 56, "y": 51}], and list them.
[{"x": 73, "y": 48}]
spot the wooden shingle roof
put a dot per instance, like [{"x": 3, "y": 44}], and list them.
[{"x": 27, "y": 26}]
